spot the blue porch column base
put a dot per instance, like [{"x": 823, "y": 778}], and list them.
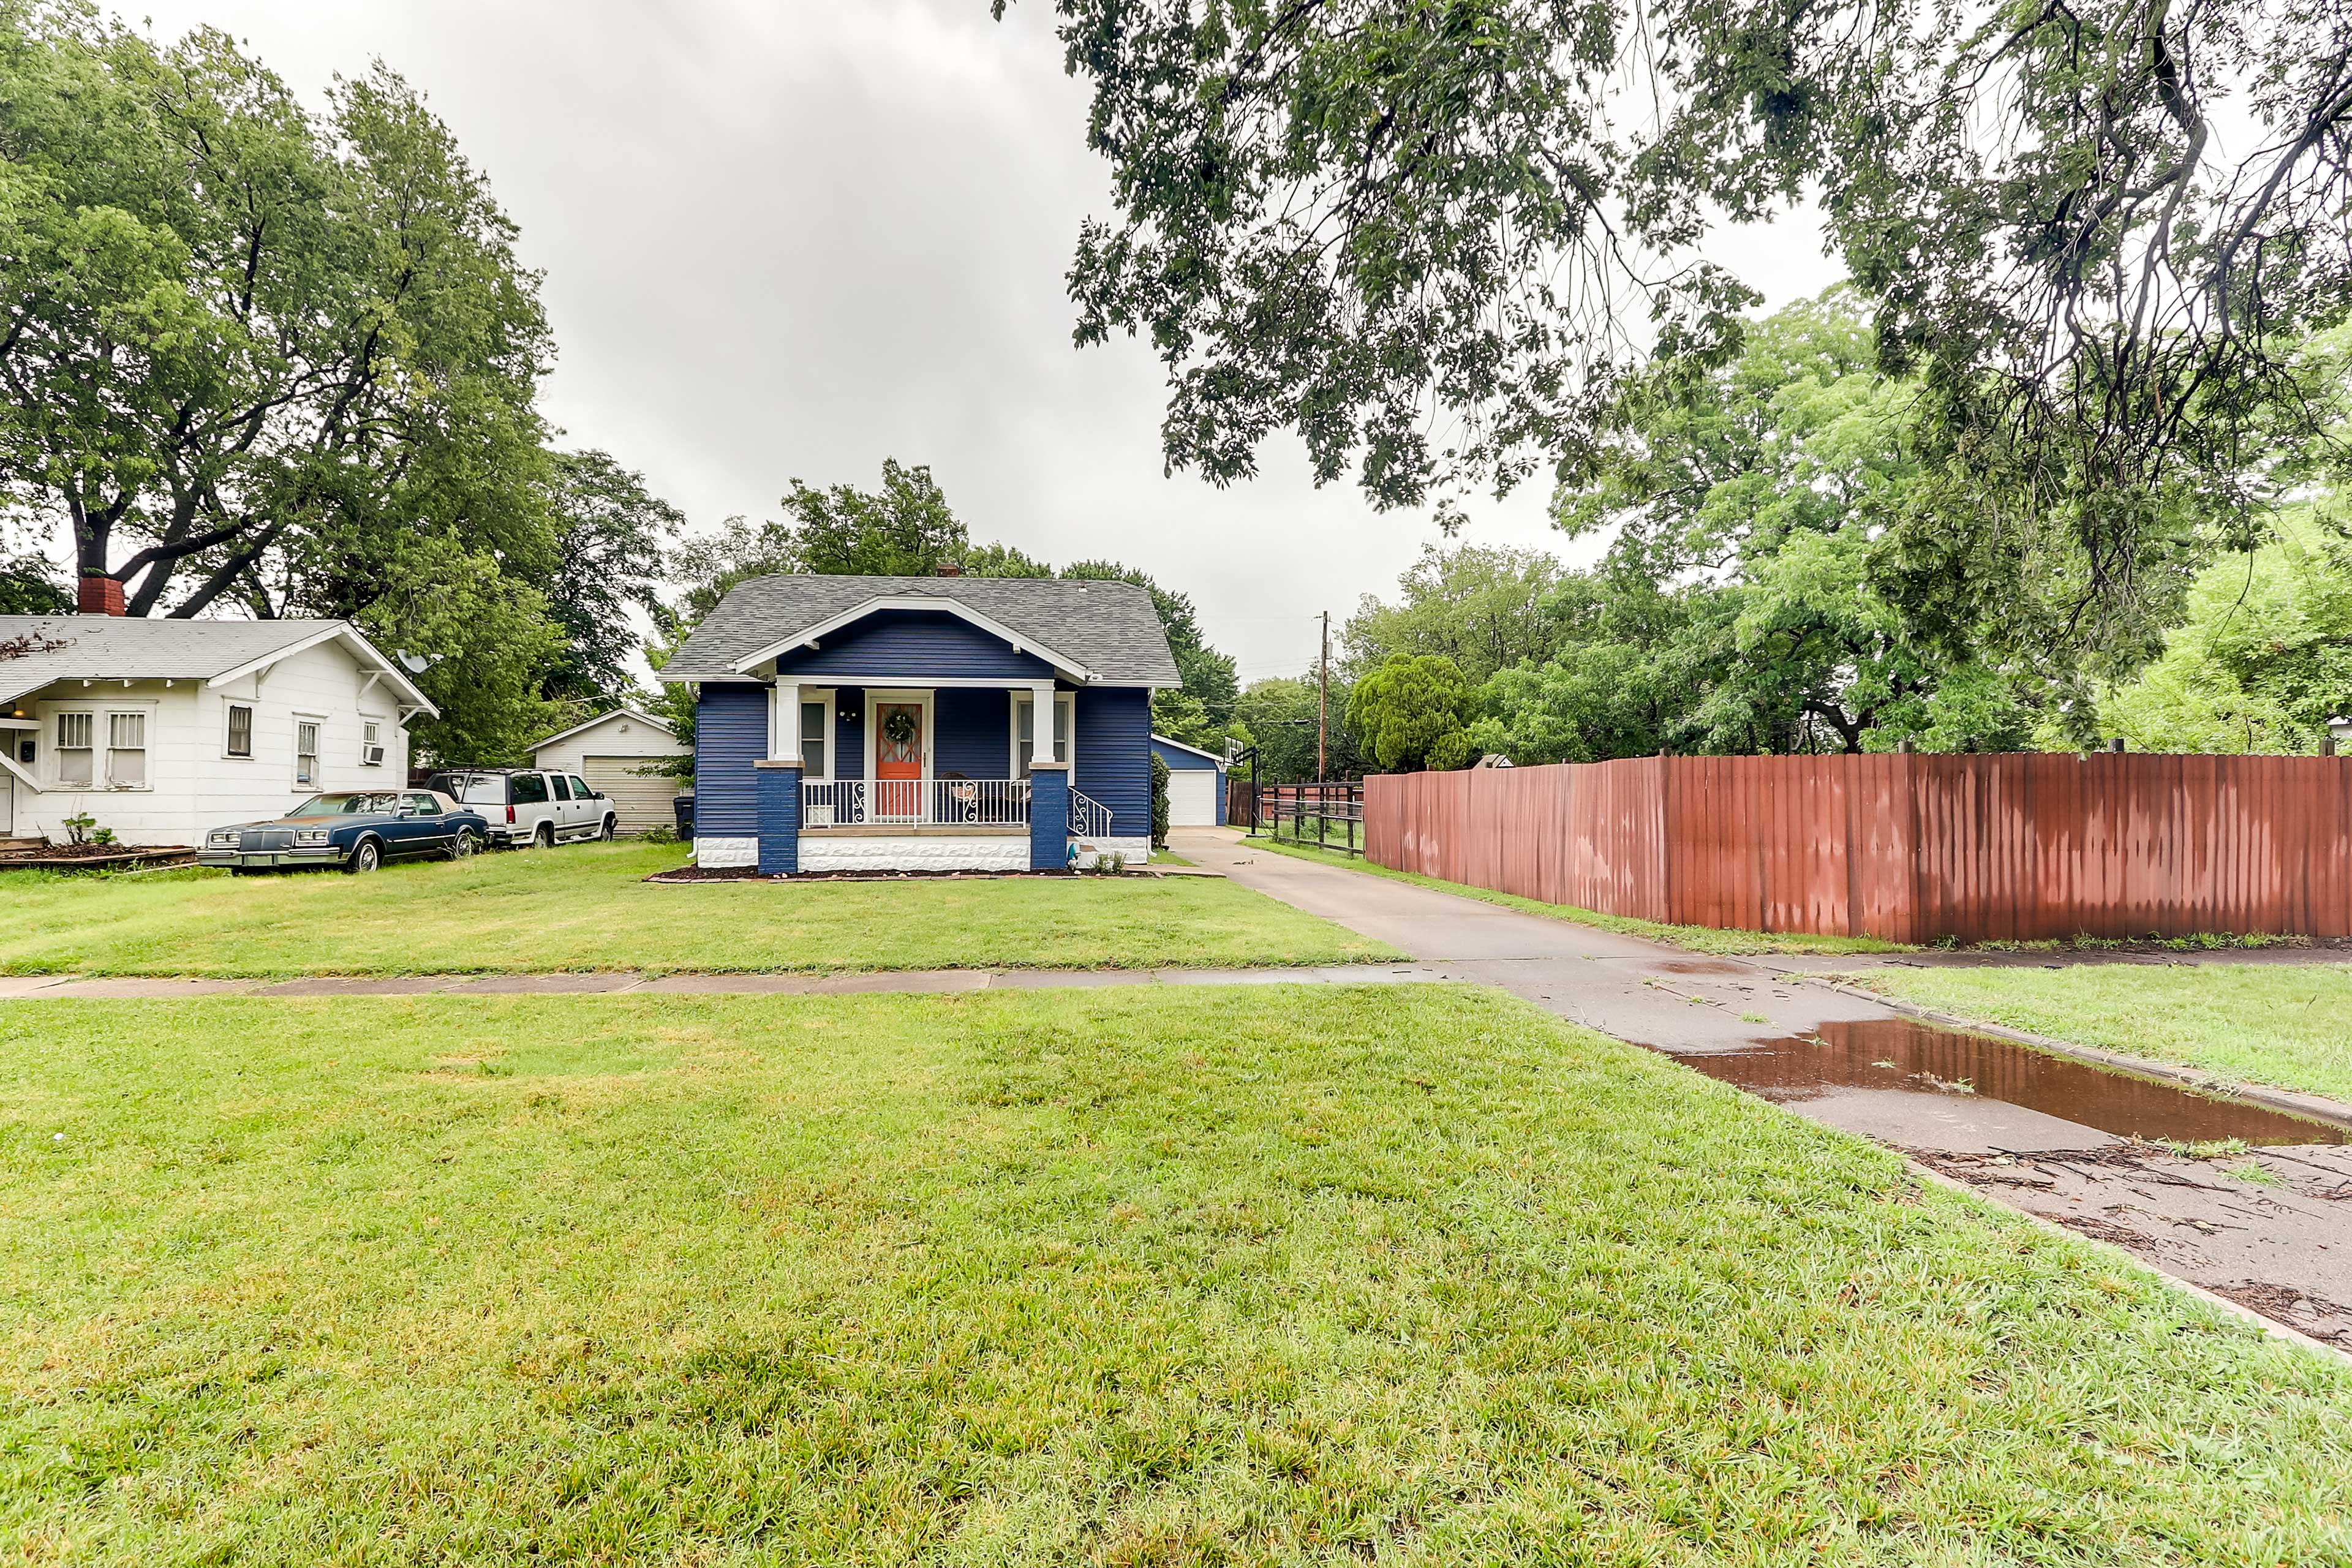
[
  {"x": 780, "y": 816},
  {"x": 1049, "y": 816}
]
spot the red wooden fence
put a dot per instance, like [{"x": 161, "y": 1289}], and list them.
[{"x": 1908, "y": 848}]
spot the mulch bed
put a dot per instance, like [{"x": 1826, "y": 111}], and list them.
[{"x": 94, "y": 858}]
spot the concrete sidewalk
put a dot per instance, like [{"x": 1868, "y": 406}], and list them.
[{"x": 608, "y": 982}]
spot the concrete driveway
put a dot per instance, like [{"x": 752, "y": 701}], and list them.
[{"x": 2061, "y": 1139}]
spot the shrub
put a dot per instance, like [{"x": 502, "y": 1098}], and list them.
[{"x": 1159, "y": 802}]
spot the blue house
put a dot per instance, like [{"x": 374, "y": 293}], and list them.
[{"x": 893, "y": 723}]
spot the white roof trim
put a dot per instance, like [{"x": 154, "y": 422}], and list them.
[
  {"x": 610, "y": 713},
  {"x": 1062, "y": 663},
  {"x": 361, "y": 649},
  {"x": 9, "y": 763},
  {"x": 1194, "y": 750}
]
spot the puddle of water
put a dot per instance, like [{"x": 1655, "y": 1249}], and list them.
[{"x": 1903, "y": 1055}]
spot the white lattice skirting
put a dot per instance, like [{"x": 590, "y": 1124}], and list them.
[
  {"x": 957, "y": 854},
  {"x": 725, "y": 854},
  {"x": 1135, "y": 851}
]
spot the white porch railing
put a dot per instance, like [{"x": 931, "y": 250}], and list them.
[
  {"x": 915, "y": 803},
  {"x": 1089, "y": 818}
]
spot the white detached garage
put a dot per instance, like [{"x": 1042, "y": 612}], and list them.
[
  {"x": 612, "y": 752},
  {"x": 1196, "y": 783}
]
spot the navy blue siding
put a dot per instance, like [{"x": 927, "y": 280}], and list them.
[
  {"x": 911, "y": 647},
  {"x": 1181, "y": 761},
  {"x": 730, "y": 733},
  {"x": 849, "y": 732},
  {"x": 972, "y": 733},
  {"x": 1114, "y": 756}
]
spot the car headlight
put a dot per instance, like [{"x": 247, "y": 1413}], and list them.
[
  {"x": 223, "y": 838},
  {"x": 310, "y": 837}
]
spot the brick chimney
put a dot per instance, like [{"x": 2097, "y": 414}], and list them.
[
  {"x": 100, "y": 596},
  {"x": 951, "y": 569}
]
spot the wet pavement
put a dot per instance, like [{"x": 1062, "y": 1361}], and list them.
[
  {"x": 2064, "y": 1138},
  {"x": 1990, "y": 1095}
]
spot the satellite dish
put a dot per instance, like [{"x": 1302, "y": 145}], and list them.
[{"x": 415, "y": 663}]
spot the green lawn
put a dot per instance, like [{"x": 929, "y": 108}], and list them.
[
  {"x": 589, "y": 908},
  {"x": 2281, "y": 1024},
  {"x": 1697, "y": 939},
  {"x": 1187, "y": 1275}
]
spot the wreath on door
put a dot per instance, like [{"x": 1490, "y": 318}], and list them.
[{"x": 898, "y": 729}]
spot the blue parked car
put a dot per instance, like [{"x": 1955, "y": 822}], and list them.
[{"x": 358, "y": 830}]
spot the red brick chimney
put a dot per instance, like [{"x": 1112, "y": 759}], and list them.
[
  {"x": 100, "y": 596},
  {"x": 951, "y": 569}
]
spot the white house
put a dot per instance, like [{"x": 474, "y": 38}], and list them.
[
  {"x": 609, "y": 750},
  {"x": 162, "y": 729}
]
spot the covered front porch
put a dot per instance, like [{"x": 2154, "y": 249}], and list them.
[{"x": 944, "y": 776}]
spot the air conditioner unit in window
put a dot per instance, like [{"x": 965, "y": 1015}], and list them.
[{"x": 375, "y": 756}]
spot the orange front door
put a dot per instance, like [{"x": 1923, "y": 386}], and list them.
[{"x": 898, "y": 762}]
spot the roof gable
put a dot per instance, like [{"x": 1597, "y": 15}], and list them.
[
  {"x": 1108, "y": 630},
  {"x": 137, "y": 647},
  {"x": 608, "y": 716}
]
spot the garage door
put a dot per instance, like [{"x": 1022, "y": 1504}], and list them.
[
  {"x": 643, "y": 802},
  {"x": 1193, "y": 798}
]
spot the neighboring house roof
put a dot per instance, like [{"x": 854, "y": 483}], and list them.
[
  {"x": 135, "y": 648},
  {"x": 1160, "y": 740},
  {"x": 606, "y": 717},
  {"x": 1106, "y": 631}
]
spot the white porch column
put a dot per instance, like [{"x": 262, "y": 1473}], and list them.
[
  {"x": 784, "y": 729},
  {"x": 1041, "y": 723}
]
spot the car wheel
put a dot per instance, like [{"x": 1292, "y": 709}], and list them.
[
  {"x": 466, "y": 844},
  {"x": 367, "y": 856},
  {"x": 612, "y": 826},
  {"x": 543, "y": 837}
]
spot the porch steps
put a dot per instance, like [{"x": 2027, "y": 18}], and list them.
[{"x": 9, "y": 845}]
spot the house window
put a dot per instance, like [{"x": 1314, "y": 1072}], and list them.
[
  {"x": 76, "y": 737},
  {"x": 306, "y": 752},
  {"x": 813, "y": 738},
  {"x": 240, "y": 729},
  {"x": 1025, "y": 732},
  {"x": 371, "y": 744},
  {"x": 126, "y": 750}
]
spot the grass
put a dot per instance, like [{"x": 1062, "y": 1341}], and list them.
[
  {"x": 1697, "y": 939},
  {"x": 1300, "y": 1274},
  {"x": 588, "y": 908},
  {"x": 2278, "y": 1023}
]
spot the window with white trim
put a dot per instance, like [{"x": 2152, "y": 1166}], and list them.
[
  {"x": 813, "y": 736},
  {"x": 126, "y": 750},
  {"x": 1024, "y": 731},
  {"x": 371, "y": 744},
  {"x": 76, "y": 753},
  {"x": 306, "y": 752},
  {"x": 240, "y": 729}
]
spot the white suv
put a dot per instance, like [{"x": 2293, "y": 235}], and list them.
[{"x": 527, "y": 805}]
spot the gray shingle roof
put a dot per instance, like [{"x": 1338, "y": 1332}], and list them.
[
  {"x": 134, "y": 647},
  {"x": 1111, "y": 627}
]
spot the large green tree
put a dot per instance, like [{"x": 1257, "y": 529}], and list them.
[
  {"x": 243, "y": 341},
  {"x": 1483, "y": 608},
  {"x": 1425, "y": 236},
  {"x": 1412, "y": 712}
]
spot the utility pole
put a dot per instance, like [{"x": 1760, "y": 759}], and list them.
[{"x": 1323, "y": 707}]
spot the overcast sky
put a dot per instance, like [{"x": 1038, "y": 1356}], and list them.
[{"x": 792, "y": 237}]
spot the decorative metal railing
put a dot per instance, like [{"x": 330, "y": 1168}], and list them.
[
  {"x": 915, "y": 803},
  {"x": 1089, "y": 818}
]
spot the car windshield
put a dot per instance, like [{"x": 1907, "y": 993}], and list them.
[
  {"x": 346, "y": 805},
  {"x": 472, "y": 789}
]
